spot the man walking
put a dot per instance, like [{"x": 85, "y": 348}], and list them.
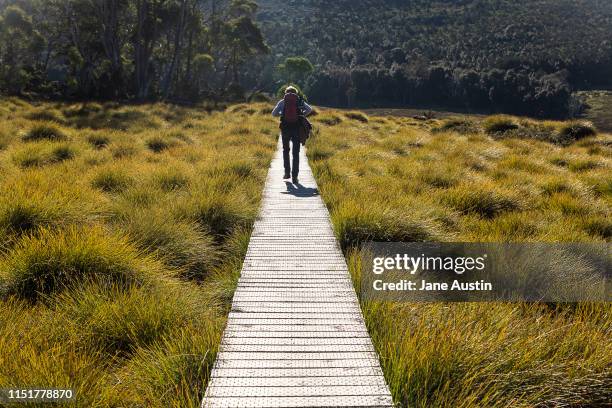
[{"x": 290, "y": 108}]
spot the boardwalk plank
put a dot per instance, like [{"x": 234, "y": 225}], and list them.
[{"x": 291, "y": 402}]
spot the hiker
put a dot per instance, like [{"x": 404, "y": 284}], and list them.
[{"x": 290, "y": 108}]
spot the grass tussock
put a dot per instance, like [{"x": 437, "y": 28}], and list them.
[
  {"x": 122, "y": 235},
  {"x": 559, "y": 133},
  {"x": 577, "y": 130},
  {"x": 500, "y": 124},
  {"x": 355, "y": 224},
  {"x": 181, "y": 245},
  {"x": 48, "y": 261},
  {"x": 512, "y": 181},
  {"x": 47, "y": 131},
  {"x": 357, "y": 116},
  {"x": 459, "y": 125},
  {"x": 158, "y": 144},
  {"x": 328, "y": 119},
  {"x": 112, "y": 180},
  {"x": 99, "y": 141},
  {"x": 473, "y": 199},
  {"x": 43, "y": 154}
]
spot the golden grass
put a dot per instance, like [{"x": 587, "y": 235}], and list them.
[
  {"x": 397, "y": 179},
  {"x": 123, "y": 230}
]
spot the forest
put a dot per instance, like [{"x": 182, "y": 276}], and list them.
[
  {"x": 120, "y": 49},
  {"x": 514, "y": 56}
]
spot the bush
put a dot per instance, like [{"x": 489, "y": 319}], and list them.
[
  {"x": 51, "y": 261},
  {"x": 499, "y": 124},
  {"x": 544, "y": 131},
  {"x": 45, "y": 132}
]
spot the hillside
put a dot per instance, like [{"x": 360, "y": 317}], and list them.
[{"x": 511, "y": 55}]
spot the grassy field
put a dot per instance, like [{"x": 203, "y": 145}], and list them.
[
  {"x": 123, "y": 229},
  {"x": 122, "y": 232},
  {"x": 459, "y": 179}
]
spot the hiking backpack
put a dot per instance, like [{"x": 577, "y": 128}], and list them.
[{"x": 291, "y": 112}]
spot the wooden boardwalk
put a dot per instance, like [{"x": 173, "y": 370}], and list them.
[{"x": 295, "y": 336}]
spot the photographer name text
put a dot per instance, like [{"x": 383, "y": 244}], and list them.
[{"x": 413, "y": 264}]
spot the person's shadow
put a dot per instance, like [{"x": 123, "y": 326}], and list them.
[{"x": 299, "y": 190}]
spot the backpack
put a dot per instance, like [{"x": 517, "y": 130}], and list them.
[
  {"x": 304, "y": 130},
  {"x": 291, "y": 112}
]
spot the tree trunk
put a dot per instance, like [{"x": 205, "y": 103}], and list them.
[
  {"x": 108, "y": 14},
  {"x": 143, "y": 47},
  {"x": 188, "y": 68},
  {"x": 177, "y": 49}
]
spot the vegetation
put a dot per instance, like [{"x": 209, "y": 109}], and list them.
[
  {"x": 400, "y": 179},
  {"x": 179, "y": 49},
  {"x": 296, "y": 69},
  {"x": 476, "y": 55},
  {"x": 118, "y": 262},
  {"x": 513, "y": 56}
]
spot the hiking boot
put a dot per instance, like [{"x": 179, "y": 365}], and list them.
[{"x": 286, "y": 176}]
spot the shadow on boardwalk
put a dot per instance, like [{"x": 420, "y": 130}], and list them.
[{"x": 299, "y": 190}]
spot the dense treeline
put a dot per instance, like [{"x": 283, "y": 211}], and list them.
[
  {"x": 181, "y": 49},
  {"x": 518, "y": 56}
]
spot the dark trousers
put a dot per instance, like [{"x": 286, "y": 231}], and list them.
[{"x": 291, "y": 134}]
